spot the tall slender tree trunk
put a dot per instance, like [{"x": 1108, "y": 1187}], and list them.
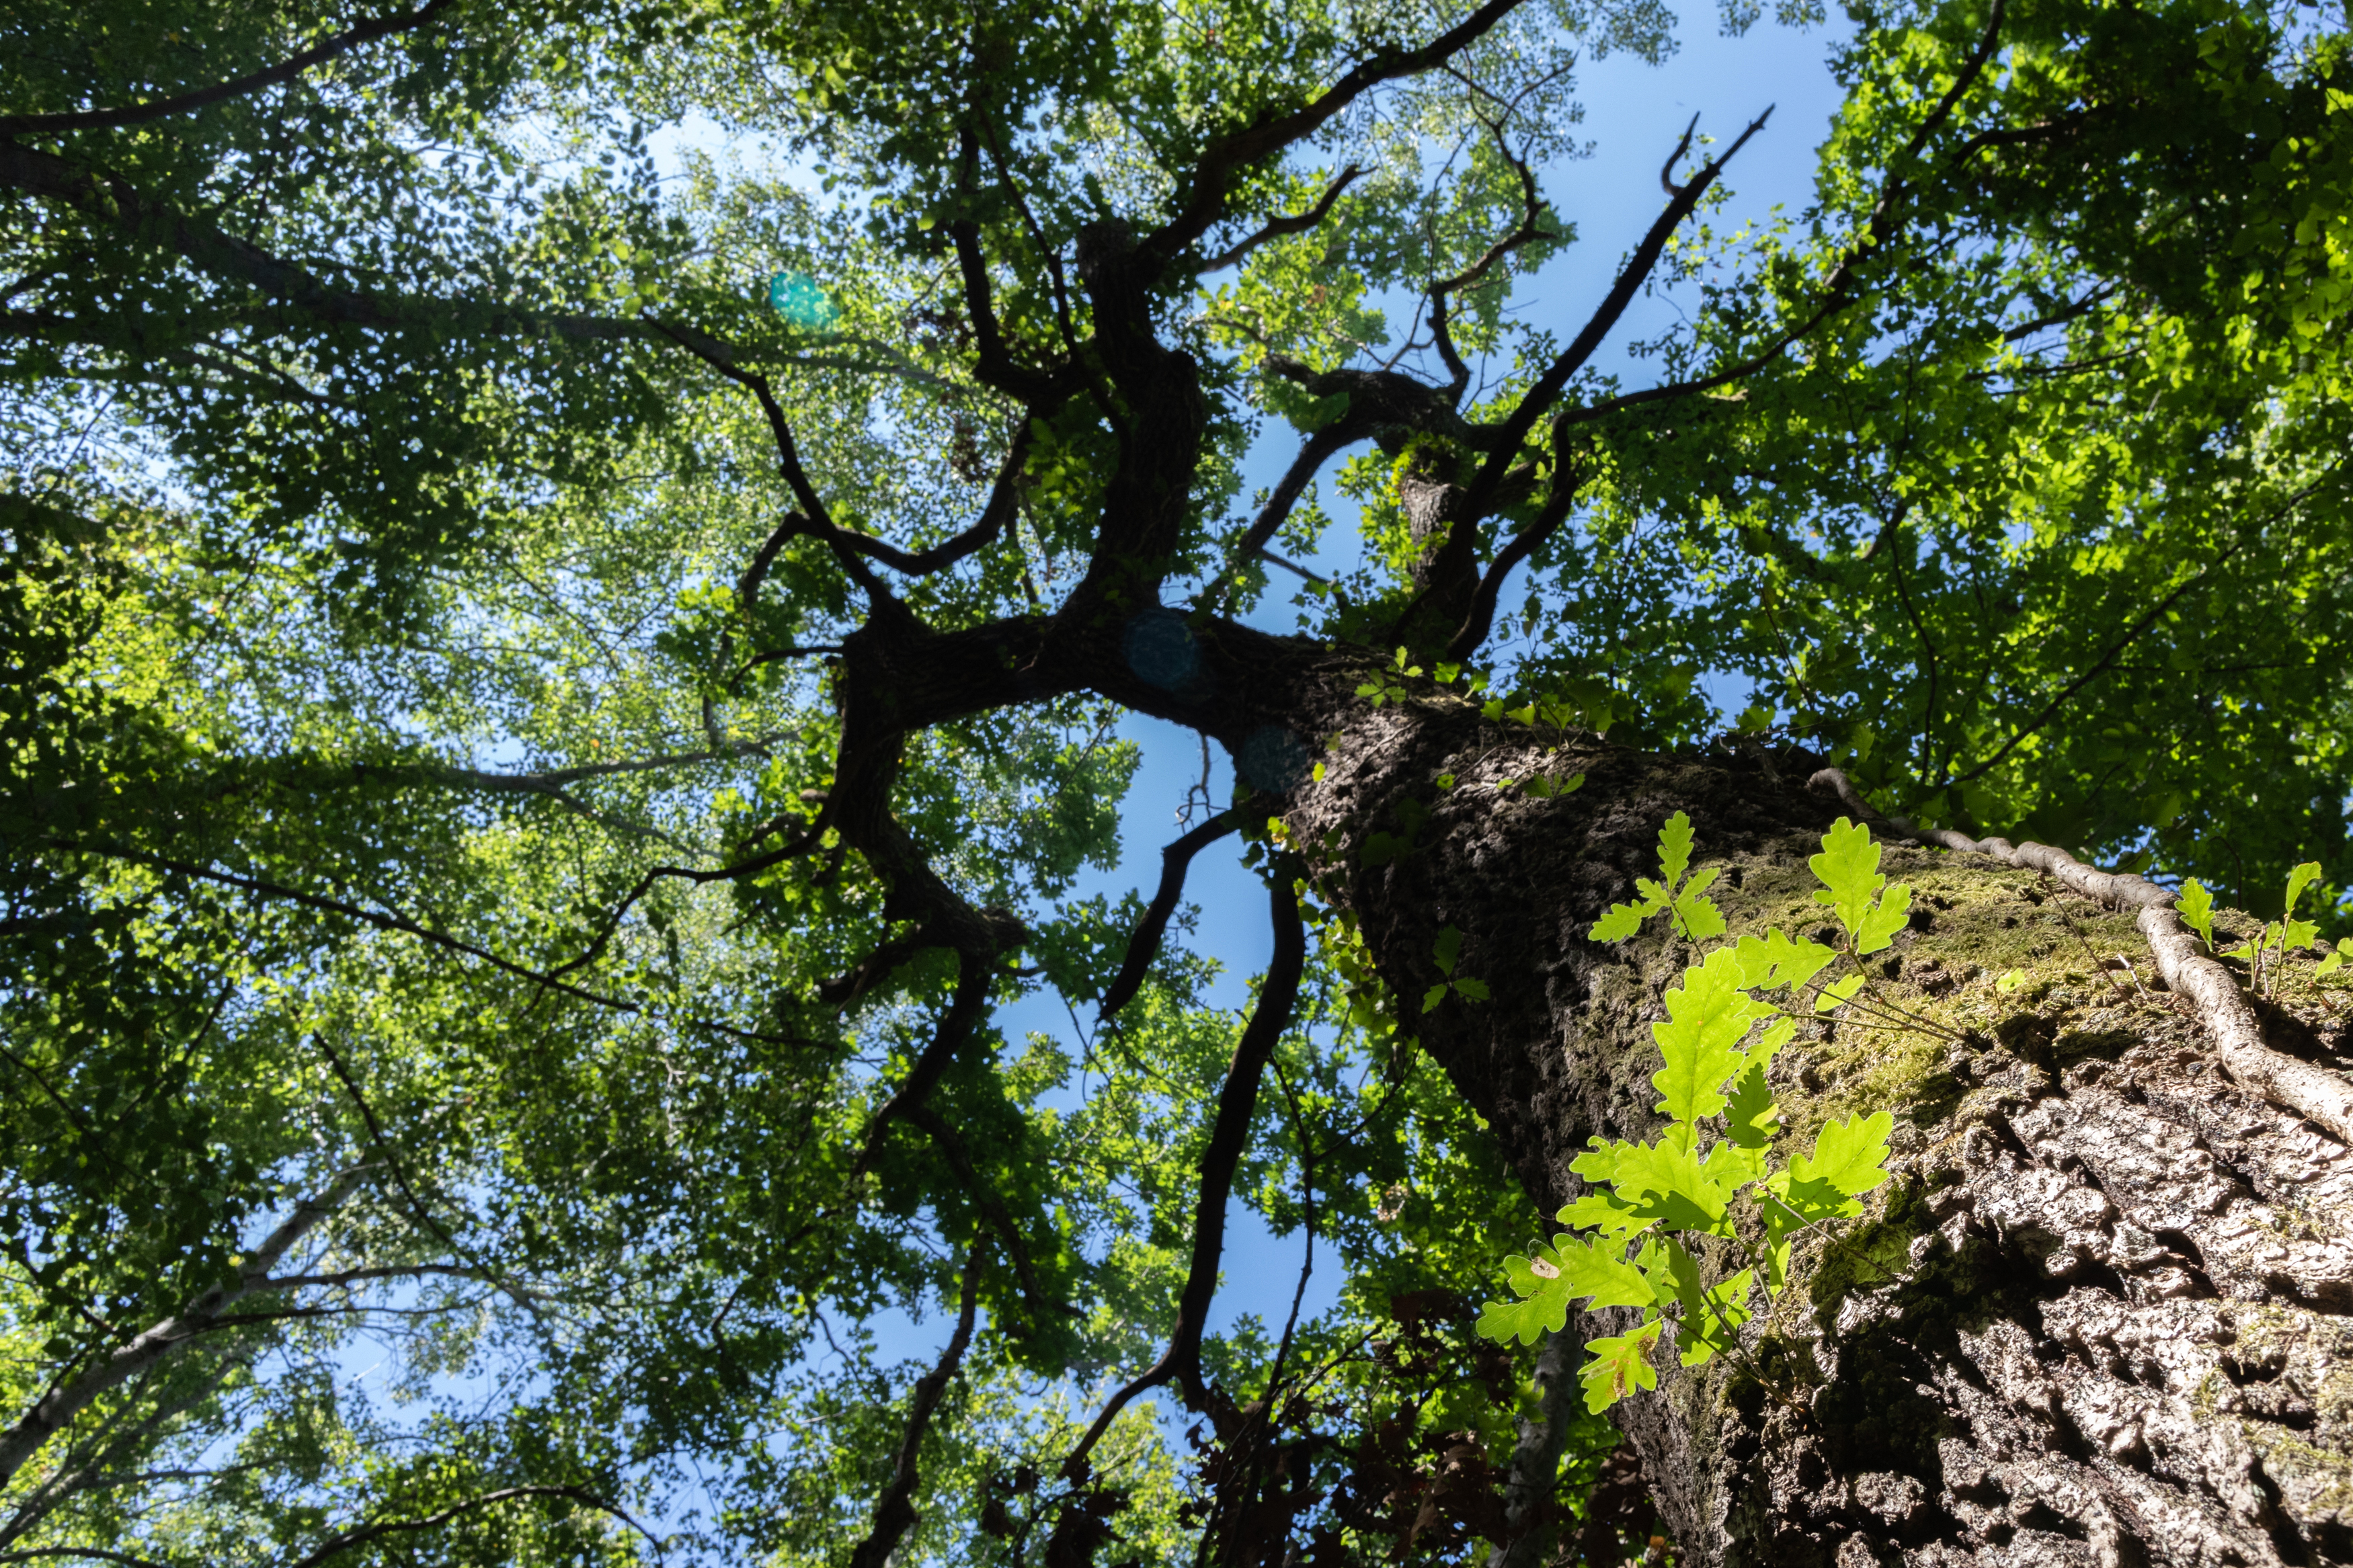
[{"x": 2099, "y": 1316}]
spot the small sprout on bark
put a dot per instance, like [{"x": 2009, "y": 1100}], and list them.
[{"x": 1647, "y": 1196}]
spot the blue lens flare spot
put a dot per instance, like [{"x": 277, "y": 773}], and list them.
[
  {"x": 1273, "y": 760},
  {"x": 1162, "y": 652},
  {"x": 796, "y": 296}
]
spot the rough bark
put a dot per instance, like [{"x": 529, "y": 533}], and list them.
[{"x": 2101, "y": 1314}]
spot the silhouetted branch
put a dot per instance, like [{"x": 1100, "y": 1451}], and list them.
[
  {"x": 203, "y": 97},
  {"x": 1229, "y": 1133},
  {"x": 1549, "y": 387},
  {"x": 896, "y": 1512},
  {"x": 1295, "y": 223},
  {"x": 1144, "y": 946},
  {"x": 348, "y": 1539},
  {"x": 1480, "y": 619},
  {"x": 1205, "y": 197}
]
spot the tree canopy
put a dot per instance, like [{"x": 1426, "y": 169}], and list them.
[{"x": 549, "y": 709}]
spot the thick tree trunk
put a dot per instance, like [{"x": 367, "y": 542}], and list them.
[{"x": 2100, "y": 1314}]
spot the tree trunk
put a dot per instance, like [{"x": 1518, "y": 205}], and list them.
[{"x": 2099, "y": 1315}]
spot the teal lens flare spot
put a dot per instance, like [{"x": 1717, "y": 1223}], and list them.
[{"x": 796, "y": 296}]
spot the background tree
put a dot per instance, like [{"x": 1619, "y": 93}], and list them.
[{"x": 548, "y": 714}]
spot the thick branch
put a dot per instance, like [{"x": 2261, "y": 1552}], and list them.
[
  {"x": 1481, "y": 620},
  {"x": 895, "y": 1514},
  {"x": 1535, "y": 1459},
  {"x": 60, "y": 1404},
  {"x": 203, "y": 97}
]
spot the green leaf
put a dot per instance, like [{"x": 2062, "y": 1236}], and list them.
[
  {"x": 1624, "y": 919},
  {"x": 1674, "y": 847},
  {"x": 1707, "y": 1017},
  {"x": 1711, "y": 1317},
  {"x": 1660, "y": 1181},
  {"x": 1543, "y": 1306},
  {"x": 2197, "y": 907},
  {"x": 2332, "y": 964},
  {"x": 1772, "y": 961},
  {"x": 1476, "y": 990},
  {"x": 1698, "y": 917},
  {"x": 1449, "y": 948},
  {"x": 1557, "y": 1276},
  {"x": 1603, "y": 1210},
  {"x": 1850, "y": 1159},
  {"x": 1731, "y": 1165},
  {"x": 1838, "y": 994},
  {"x": 1752, "y": 1115},
  {"x": 1621, "y": 1365},
  {"x": 1595, "y": 1271},
  {"x": 2010, "y": 980},
  {"x": 1436, "y": 994},
  {"x": 2299, "y": 878},
  {"x": 1882, "y": 920},
  {"x": 1848, "y": 869}
]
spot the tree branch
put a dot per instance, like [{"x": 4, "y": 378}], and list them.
[
  {"x": 1229, "y": 1133},
  {"x": 1144, "y": 946},
  {"x": 116, "y": 204},
  {"x": 1514, "y": 431},
  {"x": 1835, "y": 296},
  {"x": 62, "y": 1402},
  {"x": 1009, "y": 1236},
  {"x": 204, "y": 98},
  {"x": 2132, "y": 633},
  {"x": 895, "y": 1514},
  {"x": 348, "y": 1539},
  {"x": 1481, "y": 620},
  {"x": 1205, "y": 198},
  {"x": 1294, "y": 223}
]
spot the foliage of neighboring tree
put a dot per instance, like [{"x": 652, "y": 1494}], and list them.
[{"x": 547, "y": 712}]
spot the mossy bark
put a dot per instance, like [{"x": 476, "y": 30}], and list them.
[{"x": 2100, "y": 1315}]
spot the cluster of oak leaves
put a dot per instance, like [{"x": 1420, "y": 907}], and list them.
[{"x": 1644, "y": 1198}]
